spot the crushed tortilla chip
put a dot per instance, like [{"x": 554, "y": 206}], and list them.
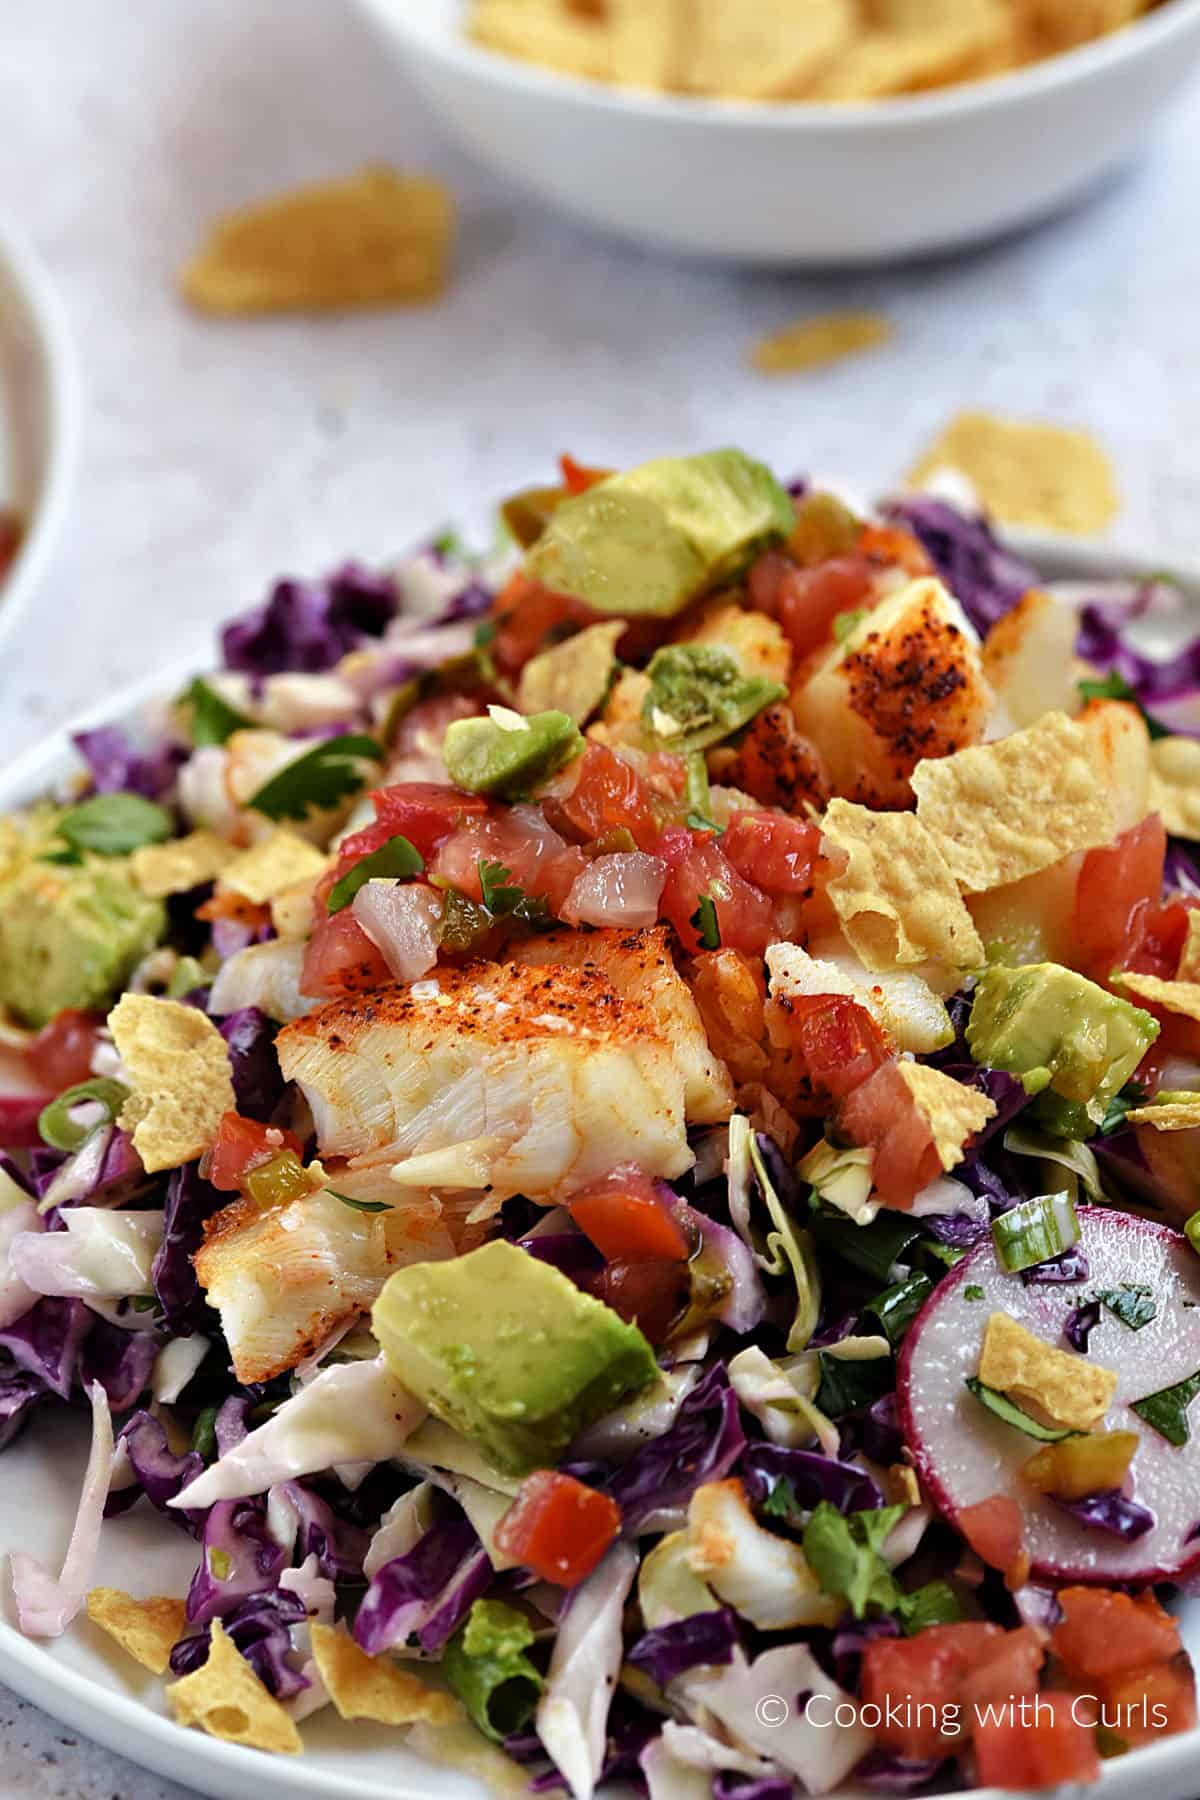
[
  {"x": 1071, "y": 1390},
  {"x": 372, "y": 239},
  {"x": 1064, "y": 24},
  {"x": 546, "y": 33},
  {"x": 1182, "y": 1114},
  {"x": 1175, "y": 784},
  {"x": 147, "y": 1629},
  {"x": 177, "y": 1064},
  {"x": 292, "y": 912},
  {"x": 772, "y": 49},
  {"x": 898, "y": 900},
  {"x": 463, "y": 1747},
  {"x": 1189, "y": 956},
  {"x": 815, "y": 342},
  {"x": 649, "y": 40},
  {"x": 1181, "y": 997},
  {"x": 372, "y": 1687},
  {"x": 225, "y": 1698},
  {"x": 955, "y": 1112},
  {"x": 1027, "y": 474},
  {"x": 1005, "y": 810},
  {"x": 164, "y": 869},
  {"x": 272, "y": 866},
  {"x": 572, "y": 677},
  {"x": 887, "y": 63}
]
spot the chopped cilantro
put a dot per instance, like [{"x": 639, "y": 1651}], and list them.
[
  {"x": 397, "y": 858},
  {"x": 1012, "y": 1414},
  {"x": 933, "y": 1604},
  {"x": 843, "y": 1553},
  {"x": 1166, "y": 1411},
  {"x": 485, "y": 634},
  {"x": 363, "y": 1206},
  {"x": 972, "y": 1291},
  {"x": 847, "y": 1386},
  {"x": 319, "y": 780},
  {"x": 115, "y": 824},
  {"x": 706, "y": 923},
  {"x": 505, "y": 900},
  {"x": 1132, "y": 1303},
  {"x": 213, "y": 719},
  {"x": 783, "y": 1502},
  {"x": 1131, "y": 1095}
]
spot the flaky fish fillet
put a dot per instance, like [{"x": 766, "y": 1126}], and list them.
[
  {"x": 509, "y": 1078},
  {"x": 640, "y": 967}
]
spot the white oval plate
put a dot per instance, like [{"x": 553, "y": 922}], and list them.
[
  {"x": 39, "y": 417},
  {"x": 84, "y": 1681}
]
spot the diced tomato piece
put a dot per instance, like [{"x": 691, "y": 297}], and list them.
[
  {"x": 883, "y": 1113},
  {"x": 608, "y": 795},
  {"x": 243, "y": 1145},
  {"x": 1039, "y": 1742},
  {"x": 1113, "y": 883},
  {"x": 516, "y": 838},
  {"x": 916, "y": 1683},
  {"x": 649, "y": 1295},
  {"x": 558, "y": 1527},
  {"x": 807, "y": 601},
  {"x": 577, "y": 478},
  {"x": 19, "y": 1114},
  {"x": 627, "y": 1220},
  {"x": 340, "y": 958},
  {"x": 777, "y": 854},
  {"x": 995, "y": 1530},
  {"x": 1155, "y": 939},
  {"x": 836, "y": 1043},
  {"x": 425, "y": 812},
  {"x": 1144, "y": 1705},
  {"x": 525, "y": 614},
  {"x": 1005, "y": 1669},
  {"x": 61, "y": 1053},
  {"x": 1103, "y": 1633},
  {"x": 667, "y": 773},
  {"x": 560, "y": 874},
  {"x": 696, "y": 867}
]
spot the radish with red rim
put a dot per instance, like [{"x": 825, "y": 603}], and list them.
[{"x": 965, "y": 1454}]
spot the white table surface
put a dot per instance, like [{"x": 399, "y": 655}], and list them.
[{"x": 218, "y": 455}]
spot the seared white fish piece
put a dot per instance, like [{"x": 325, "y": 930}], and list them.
[
  {"x": 496, "y": 1076},
  {"x": 640, "y": 967}
]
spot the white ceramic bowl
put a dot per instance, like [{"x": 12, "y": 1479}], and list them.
[
  {"x": 39, "y": 417},
  {"x": 92, "y": 1688},
  {"x": 796, "y": 183}
]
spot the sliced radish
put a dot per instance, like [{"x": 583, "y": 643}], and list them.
[{"x": 964, "y": 1454}]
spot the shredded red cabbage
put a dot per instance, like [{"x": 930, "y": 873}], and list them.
[
  {"x": 260, "y": 1628},
  {"x": 813, "y": 1477},
  {"x": 257, "y": 1080},
  {"x": 1113, "y": 1512},
  {"x": 240, "y": 1557},
  {"x": 702, "y": 1445},
  {"x": 986, "y": 578},
  {"x": 190, "y": 1201},
  {"x": 1081, "y": 1322},
  {"x": 424, "y": 1597},
  {"x": 161, "y": 1474},
  {"x": 1071, "y": 1265},
  {"x": 117, "y": 766},
  {"x": 308, "y": 626},
  {"x": 670, "y": 1650}
]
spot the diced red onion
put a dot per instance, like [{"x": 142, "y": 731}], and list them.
[
  {"x": 621, "y": 890},
  {"x": 402, "y": 920}
]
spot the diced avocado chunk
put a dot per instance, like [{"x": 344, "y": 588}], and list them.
[
  {"x": 698, "y": 695},
  {"x": 1073, "y": 1044},
  {"x": 508, "y": 1351},
  {"x": 650, "y": 540},
  {"x": 70, "y": 933},
  {"x": 507, "y": 754}
]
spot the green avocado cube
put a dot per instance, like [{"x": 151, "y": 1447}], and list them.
[
  {"x": 508, "y": 1351},
  {"x": 507, "y": 754},
  {"x": 1072, "y": 1043},
  {"x": 70, "y": 934},
  {"x": 649, "y": 541}
]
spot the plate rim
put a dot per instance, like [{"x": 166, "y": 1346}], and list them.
[
  {"x": 62, "y": 410},
  {"x": 122, "y": 1722}
]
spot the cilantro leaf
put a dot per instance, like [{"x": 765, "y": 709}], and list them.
[
  {"x": 213, "y": 719},
  {"x": 1131, "y": 1095},
  {"x": 319, "y": 780},
  {"x": 1166, "y": 1411},
  {"x": 706, "y": 923},
  {"x": 843, "y": 1553},
  {"x": 783, "y": 1502},
  {"x": 505, "y": 900},
  {"x": 933, "y": 1604},
  {"x": 1132, "y": 1303},
  {"x": 396, "y": 859},
  {"x": 1012, "y": 1414},
  {"x": 973, "y": 1291},
  {"x": 115, "y": 824},
  {"x": 363, "y": 1206}
]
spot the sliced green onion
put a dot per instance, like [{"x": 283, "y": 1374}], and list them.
[
  {"x": 1035, "y": 1232},
  {"x": 61, "y": 1131},
  {"x": 898, "y": 1306},
  {"x": 1012, "y": 1414}
]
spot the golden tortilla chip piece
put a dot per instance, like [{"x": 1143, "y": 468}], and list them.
[
  {"x": 147, "y": 1630},
  {"x": 1189, "y": 956},
  {"x": 649, "y": 42},
  {"x": 767, "y": 50},
  {"x": 464, "y": 1747},
  {"x": 292, "y": 912},
  {"x": 177, "y": 1063},
  {"x": 226, "y": 1699},
  {"x": 569, "y": 40},
  {"x": 372, "y": 1687},
  {"x": 1175, "y": 784},
  {"x": 1005, "y": 810},
  {"x": 1171, "y": 1115},
  {"x": 955, "y": 1112},
  {"x": 184, "y": 863},
  {"x": 1071, "y": 1390},
  {"x": 815, "y": 342},
  {"x": 1063, "y": 24},
  {"x": 272, "y": 866},
  {"x": 1181, "y": 997},
  {"x": 884, "y": 63},
  {"x": 1027, "y": 474},
  {"x": 897, "y": 900},
  {"x": 373, "y": 239}
]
